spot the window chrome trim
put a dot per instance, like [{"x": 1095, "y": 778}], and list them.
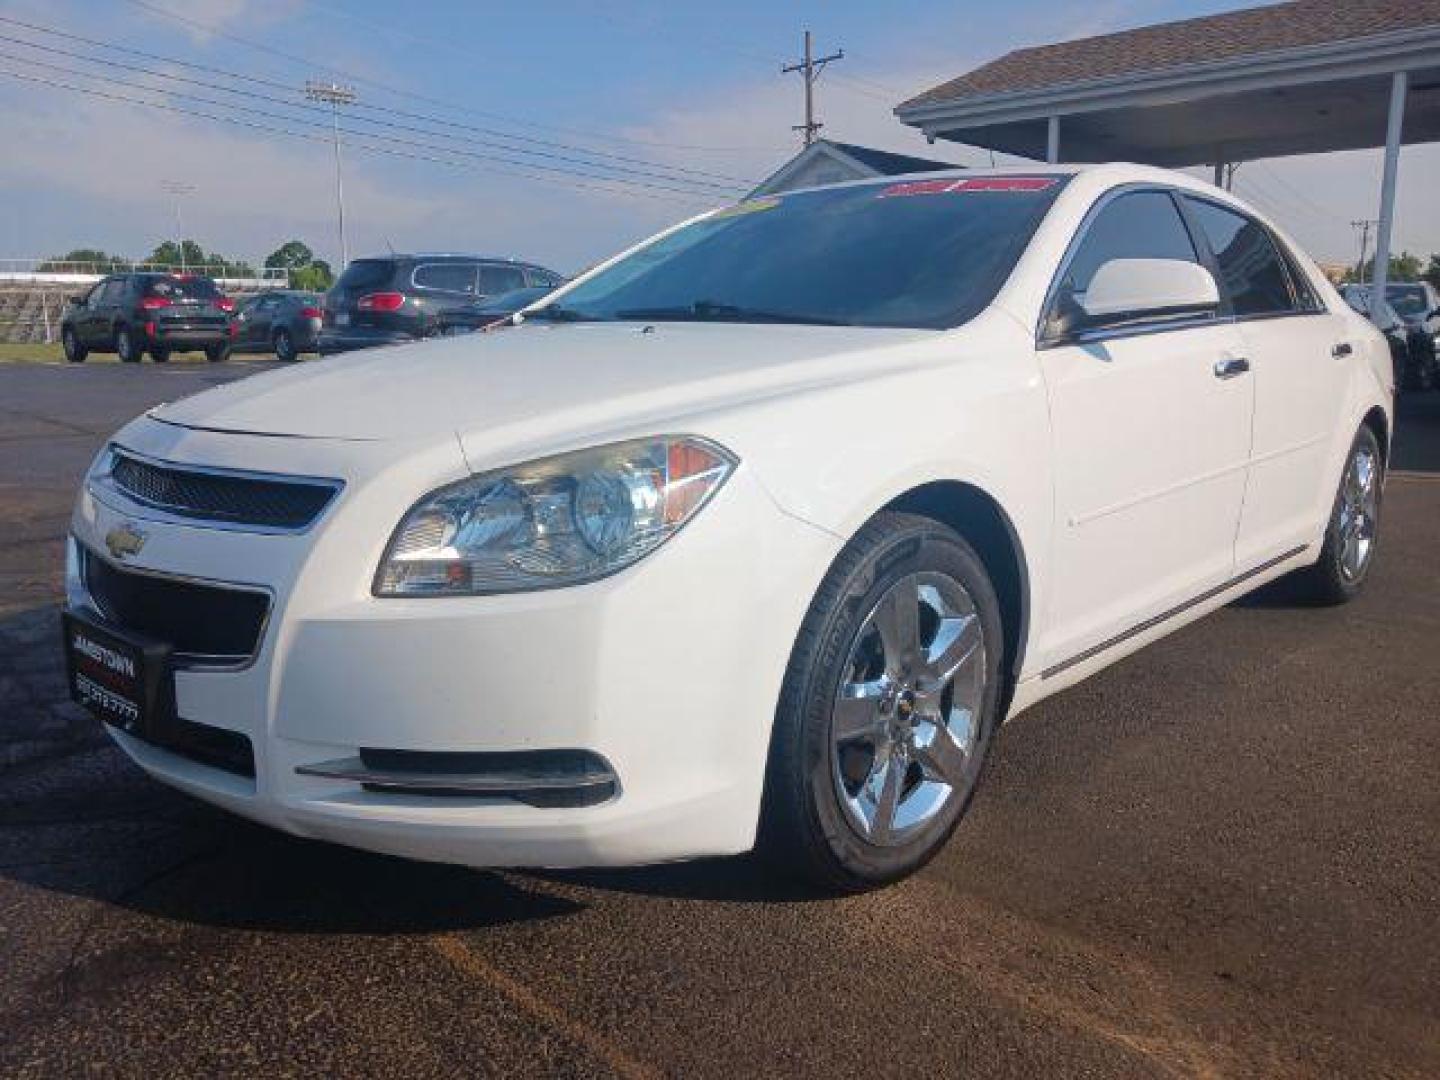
[
  {"x": 475, "y": 280},
  {"x": 181, "y": 661},
  {"x": 101, "y": 483}
]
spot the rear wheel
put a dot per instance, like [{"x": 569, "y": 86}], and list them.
[
  {"x": 125, "y": 346},
  {"x": 888, "y": 707},
  {"x": 217, "y": 353},
  {"x": 74, "y": 351},
  {"x": 1353, "y": 530},
  {"x": 160, "y": 356},
  {"x": 284, "y": 345}
]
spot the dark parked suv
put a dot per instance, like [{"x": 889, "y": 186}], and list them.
[
  {"x": 132, "y": 314},
  {"x": 391, "y": 299}
]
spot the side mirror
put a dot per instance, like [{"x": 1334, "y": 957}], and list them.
[
  {"x": 75, "y": 301},
  {"x": 1124, "y": 290}
]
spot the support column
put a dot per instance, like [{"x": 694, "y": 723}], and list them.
[
  {"x": 1399, "y": 84},
  {"x": 1219, "y": 172},
  {"x": 1052, "y": 140}
]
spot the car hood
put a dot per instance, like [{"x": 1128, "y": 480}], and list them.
[{"x": 540, "y": 383}]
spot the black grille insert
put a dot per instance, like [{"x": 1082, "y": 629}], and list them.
[
  {"x": 220, "y": 749},
  {"x": 218, "y": 623},
  {"x": 275, "y": 503}
]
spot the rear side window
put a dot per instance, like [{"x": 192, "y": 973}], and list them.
[
  {"x": 500, "y": 279},
  {"x": 1252, "y": 270},
  {"x": 366, "y": 274},
  {"x": 453, "y": 277},
  {"x": 542, "y": 279}
]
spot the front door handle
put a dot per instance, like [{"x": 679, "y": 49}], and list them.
[{"x": 1231, "y": 366}]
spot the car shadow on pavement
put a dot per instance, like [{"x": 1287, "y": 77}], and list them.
[{"x": 1416, "y": 443}]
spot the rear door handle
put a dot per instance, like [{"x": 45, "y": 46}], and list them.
[
  {"x": 1231, "y": 366},
  {"x": 1342, "y": 350}
]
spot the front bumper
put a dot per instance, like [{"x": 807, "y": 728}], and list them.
[{"x": 668, "y": 672}]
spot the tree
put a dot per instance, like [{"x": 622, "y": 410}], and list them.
[
  {"x": 86, "y": 258},
  {"x": 1432, "y": 272},
  {"x": 314, "y": 277},
  {"x": 197, "y": 258},
  {"x": 291, "y": 255},
  {"x": 1403, "y": 267}
]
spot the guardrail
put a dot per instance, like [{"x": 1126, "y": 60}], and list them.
[{"x": 69, "y": 272}]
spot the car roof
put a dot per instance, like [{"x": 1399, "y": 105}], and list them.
[{"x": 411, "y": 256}]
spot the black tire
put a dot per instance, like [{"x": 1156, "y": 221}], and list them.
[
  {"x": 160, "y": 356},
  {"x": 74, "y": 351},
  {"x": 285, "y": 346},
  {"x": 1329, "y": 581},
  {"x": 804, "y": 827},
  {"x": 217, "y": 354},
  {"x": 125, "y": 347}
]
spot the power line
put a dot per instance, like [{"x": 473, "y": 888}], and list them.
[
  {"x": 210, "y": 28},
  {"x": 385, "y": 110},
  {"x": 407, "y": 143},
  {"x": 725, "y": 189},
  {"x": 606, "y": 187}
]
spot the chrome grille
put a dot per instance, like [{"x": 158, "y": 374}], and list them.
[{"x": 234, "y": 498}]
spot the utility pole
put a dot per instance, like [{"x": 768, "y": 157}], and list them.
[
  {"x": 810, "y": 69},
  {"x": 178, "y": 188},
  {"x": 335, "y": 95},
  {"x": 1364, "y": 227}
]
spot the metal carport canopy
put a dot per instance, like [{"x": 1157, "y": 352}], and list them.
[{"x": 1305, "y": 77}]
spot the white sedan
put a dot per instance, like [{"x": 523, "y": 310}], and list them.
[{"x": 754, "y": 534}]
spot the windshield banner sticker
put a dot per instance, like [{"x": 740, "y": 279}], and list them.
[
  {"x": 977, "y": 183},
  {"x": 753, "y": 206}
]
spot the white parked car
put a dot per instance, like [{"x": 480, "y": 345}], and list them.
[{"x": 757, "y": 531}]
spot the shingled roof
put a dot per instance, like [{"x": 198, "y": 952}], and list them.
[{"x": 1187, "y": 43}]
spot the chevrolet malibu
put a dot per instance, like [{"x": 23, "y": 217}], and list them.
[{"x": 752, "y": 535}]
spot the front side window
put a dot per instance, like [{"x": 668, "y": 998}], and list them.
[
  {"x": 928, "y": 254},
  {"x": 1135, "y": 225},
  {"x": 500, "y": 279},
  {"x": 455, "y": 277},
  {"x": 1250, "y": 267}
]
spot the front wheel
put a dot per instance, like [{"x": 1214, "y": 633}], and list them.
[
  {"x": 1353, "y": 529},
  {"x": 74, "y": 351},
  {"x": 888, "y": 707}
]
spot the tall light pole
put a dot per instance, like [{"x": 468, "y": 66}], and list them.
[
  {"x": 335, "y": 95},
  {"x": 178, "y": 188}
]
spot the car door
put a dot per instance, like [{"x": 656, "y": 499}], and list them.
[
  {"x": 1150, "y": 429},
  {"x": 1299, "y": 364},
  {"x": 87, "y": 315},
  {"x": 262, "y": 321}
]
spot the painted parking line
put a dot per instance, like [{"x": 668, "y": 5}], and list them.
[{"x": 469, "y": 961}]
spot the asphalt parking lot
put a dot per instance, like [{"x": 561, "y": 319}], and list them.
[{"x": 1219, "y": 857}]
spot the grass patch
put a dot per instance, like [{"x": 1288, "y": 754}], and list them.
[{"x": 40, "y": 353}]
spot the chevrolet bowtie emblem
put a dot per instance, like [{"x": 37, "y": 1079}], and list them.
[{"x": 125, "y": 540}]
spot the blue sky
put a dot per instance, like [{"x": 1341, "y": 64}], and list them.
[{"x": 688, "y": 91}]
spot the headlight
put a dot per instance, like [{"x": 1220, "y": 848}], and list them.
[{"x": 559, "y": 521}]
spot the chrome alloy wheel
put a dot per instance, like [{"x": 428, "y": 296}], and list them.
[
  {"x": 1358, "y": 512},
  {"x": 905, "y": 721}
]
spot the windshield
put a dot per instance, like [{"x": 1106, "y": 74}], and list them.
[
  {"x": 927, "y": 253},
  {"x": 1409, "y": 300}
]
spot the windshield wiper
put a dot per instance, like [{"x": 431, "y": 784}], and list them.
[
  {"x": 557, "y": 313},
  {"x": 711, "y": 311}
]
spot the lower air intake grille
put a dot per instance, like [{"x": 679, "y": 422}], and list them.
[
  {"x": 201, "y": 622},
  {"x": 231, "y": 498}
]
